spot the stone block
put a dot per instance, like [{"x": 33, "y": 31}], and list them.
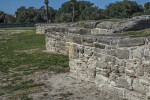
[
  {"x": 104, "y": 40},
  {"x": 121, "y": 70},
  {"x": 84, "y": 31},
  {"x": 100, "y": 80},
  {"x": 138, "y": 87},
  {"x": 113, "y": 91},
  {"x": 132, "y": 95},
  {"x": 138, "y": 53},
  {"x": 147, "y": 53},
  {"x": 90, "y": 25},
  {"x": 139, "y": 70},
  {"x": 76, "y": 39},
  {"x": 124, "y": 82},
  {"x": 146, "y": 66},
  {"x": 88, "y": 41},
  {"x": 106, "y": 25},
  {"x": 74, "y": 53},
  {"x": 73, "y": 30},
  {"x": 129, "y": 42},
  {"x": 79, "y": 65},
  {"x": 98, "y": 45},
  {"x": 121, "y": 54},
  {"x": 114, "y": 68},
  {"x": 102, "y": 64},
  {"x": 88, "y": 51},
  {"x": 67, "y": 47},
  {"x": 130, "y": 73}
]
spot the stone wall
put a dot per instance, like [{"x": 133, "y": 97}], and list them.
[
  {"x": 122, "y": 64},
  {"x": 42, "y": 27},
  {"x": 117, "y": 64}
]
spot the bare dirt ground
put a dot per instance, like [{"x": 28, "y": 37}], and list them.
[
  {"x": 60, "y": 87},
  {"x": 63, "y": 87},
  {"x": 12, "y": 31}
]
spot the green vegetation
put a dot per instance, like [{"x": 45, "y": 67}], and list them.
[
  {"x": 18, "y": 28},
  {"x": 141, "y": 33},
  {"x": 21, "y": 55},
  {"x": 76, "y": 10}
]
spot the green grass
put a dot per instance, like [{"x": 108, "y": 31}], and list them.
[
  {"x": 25, "y": 50},
  {"x": 20, "y": 56},
  {"x": 18, "y": 28},
  {"x": 141, "y": 33}
]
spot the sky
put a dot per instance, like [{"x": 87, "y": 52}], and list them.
[{"x": 10, "y": 6}]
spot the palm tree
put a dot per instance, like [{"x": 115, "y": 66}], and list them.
[
  {"x": 73, "y": 9},
  {"x": 46, "y": 3}
]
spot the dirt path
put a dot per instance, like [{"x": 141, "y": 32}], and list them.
[
  {"x": 12, "y": 31},
  {"x": 63, "y": 87}
]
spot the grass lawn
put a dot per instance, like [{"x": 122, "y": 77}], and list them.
[
  {"x": 140, "y": 33},
  {"x": 18, "y": 28},
  {"x": 21, "y": 55}
]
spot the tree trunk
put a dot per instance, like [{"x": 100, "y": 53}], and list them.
[
  {"x": 47, "y": 12},
  {"x": 73, "y": 14}
]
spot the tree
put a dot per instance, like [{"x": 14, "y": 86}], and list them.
[
  {"x": 147, "y": 8},
  {"x": 21, "y": 16},
  {"x": 52, "y": 13},
  {"x": 9, "y": 18},
  {"x": 123, "y": 9},
  {"x": 73, "y": 2},
  {"x": 77, "y": 9},
  {"x": 90, "y": 13},
  {"x": 2, "y": 17},
  {"x": 46, "y": 3}
]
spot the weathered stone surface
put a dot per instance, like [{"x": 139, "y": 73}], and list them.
[
  {"x": 102, "y": 64},
  {"x": 90, "y": 25},
  {"x": 84, "y": 31},
  {"x": 138, "y": 53},
  {"x": 88, "y": 41},
  {"x": 124, "y": 82},
  {"x": 130, "y": 73},
  {"x": 75, "y": 52},
  {"x": 113, "y": 91},
  {"x": 67, "y": 47},
  {"x": 73, "y": 30},
  {"x": 146, "y": 66},
  {"x": 98, "y": 45},
  {"x": 100, "y": 80},
  {"x": 103, "y": 40},
  {"x": 139, "y": 87},
  {"x": 133, "y": 24},
  {"x": 139, "y": 69},
  {"x": 121, "y": 54},
  {"x": 131, "y": 95},
  {"x": 107, "y": 25},
  {"x": 128, "y": 42},
  {"x": 114, "y": 68},
  {"x": 76, "y": 39},
  {"x": 109, "y": 60}
]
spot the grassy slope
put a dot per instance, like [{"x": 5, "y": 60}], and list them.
[
  {"x": 140, "y": 33},
  {"x": 18, "y": 28},
  {"x": 20, "y": 55}
]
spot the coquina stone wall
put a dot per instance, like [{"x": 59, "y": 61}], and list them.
[
  {"x": 117, "y": 64},
  {"x": 99, "y": 53}
]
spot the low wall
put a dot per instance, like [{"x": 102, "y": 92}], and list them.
[
  {"x": 118, "y": 65},
  {"x": 42, "y": 27},
  {"x": 16, "y": 25}
]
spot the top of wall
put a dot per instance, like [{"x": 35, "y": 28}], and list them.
[{"x": 101, "y": 28}]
